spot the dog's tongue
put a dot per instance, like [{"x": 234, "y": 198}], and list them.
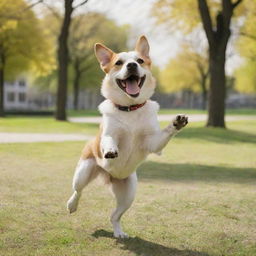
[{"x": 132, "y": 87}]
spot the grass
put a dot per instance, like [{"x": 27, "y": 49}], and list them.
[
  {"x": 197, "y": 199},
  {"x": 43, "y": 125},
  {"x": 241, "y": 111},
  {"x": 38, "y": 124},
  {"x": 88, "y": 112}
]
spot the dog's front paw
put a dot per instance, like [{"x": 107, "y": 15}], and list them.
[
  {"x": 111, "y": 154},
  {"x": 180, "y": 121}
]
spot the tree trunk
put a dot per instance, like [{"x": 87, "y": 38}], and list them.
[
  {"x": 76, "y": 89},
  {"x": 2, "y": 64},
  {"x": 217, "y": 37},
  {"x": 217, "y": 91},
  {"x": 63, "y": 57},
  {"x": 204, "y": 92},
  {"x": 1, "y": 91},
  {"x": 204, "y": 100}
]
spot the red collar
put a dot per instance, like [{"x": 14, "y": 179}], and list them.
[{"x": 130, "y": 108}]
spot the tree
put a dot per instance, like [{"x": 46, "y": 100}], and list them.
[
  {"x": 216, "y": 20},
  {"x": 188, "y": 71},
  {"x": 19, "y": 51},
  {"x": 217, "y": 39},
  {"x": 83, "y": 36},
  {"x": 246, "y": 74},
  {"x": 63, "y": 58},
  {"x": 246, "y": 77}
]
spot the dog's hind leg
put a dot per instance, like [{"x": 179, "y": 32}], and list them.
[
  {"x": 124, "y": 191},
  {"x": 86, "y": 171}
]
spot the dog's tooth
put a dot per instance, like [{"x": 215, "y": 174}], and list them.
[{"x": 124, "y": 84}]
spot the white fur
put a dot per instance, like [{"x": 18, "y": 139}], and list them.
[
  {"x": 124, "y": 191},
  {"x": 133, "y": 135},
  {"x": 110, "y": 89}
]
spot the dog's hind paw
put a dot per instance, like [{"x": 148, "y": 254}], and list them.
[
  {"x": 120, "y": 234},
  {"x": 72, "y": 203}
]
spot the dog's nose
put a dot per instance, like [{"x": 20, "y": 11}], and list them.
[{"x": 132, "y": 66}]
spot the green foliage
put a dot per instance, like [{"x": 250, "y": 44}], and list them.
[
  {"x": 24, "y": 44},
  {"x": 246, "y": 77},
  {"x": 83, "y": 36},
  {"x": 247, "y": 41},
  {"x": 183, "y": 72},
  {"x": 246, "y": 74},
  {"x": 184, "y": 15},
  {"x": 85, "y": 31}
]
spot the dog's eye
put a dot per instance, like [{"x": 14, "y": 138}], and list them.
[
  {"x": 118, "y": 63},
  {"x": 140, "y": 61}
]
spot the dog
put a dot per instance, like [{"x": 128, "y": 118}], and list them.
[{"x": 129, "y": 131}]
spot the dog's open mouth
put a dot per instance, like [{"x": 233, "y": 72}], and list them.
[{"x": 131, "y": 85}]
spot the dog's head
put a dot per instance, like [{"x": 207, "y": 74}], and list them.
[{"x": 128, "y": 77}]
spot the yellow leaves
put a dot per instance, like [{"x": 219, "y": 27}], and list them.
[
  {"x": 177, "y": 14},
  {"x": 23, "y": 39},
  {"x": 247, "y": 42},
  {"x": 184, "y": 15},
  {"x": 246, "y": 77},
  {"x": 8, "y": 25},
  {"x": 182, "y": 73},
  {"x": 246, "y": 74}
]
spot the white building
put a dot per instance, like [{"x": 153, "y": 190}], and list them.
[
  {"x": 18, "y": 95},
  {"x": 15, "y": 94}
]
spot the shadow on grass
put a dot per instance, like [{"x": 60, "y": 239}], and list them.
[
  {"x": 193, "y": 172},
  {"x": 143, "y": 247},
  {"x": 217, "y": 135}
]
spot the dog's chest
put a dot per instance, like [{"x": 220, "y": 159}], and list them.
[{"x": 131, "y": 130}]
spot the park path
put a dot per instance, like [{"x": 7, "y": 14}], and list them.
[
  {"x": 10, "y": 137},
  {"x": 6, "y": 137}
]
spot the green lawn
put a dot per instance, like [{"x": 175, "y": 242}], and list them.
[
  {"x": 197, "y": 199},
  {"x": 241, "y": 111},
  {"x": 43, "y": 125},
  {"x": 78, "y": 113}
]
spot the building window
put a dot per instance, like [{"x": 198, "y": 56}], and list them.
[
  {"x": 11, "y": 96},
  {"x": 22, "y": 83},
  {"x": 22, "y": 97}
]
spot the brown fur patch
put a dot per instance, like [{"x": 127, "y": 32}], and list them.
[
  {"x": 111, "y": 64},
  {"x": 115, "y": 57},
  {"x": 147, "y": 61},
  {"x": 92, "y": 148}
]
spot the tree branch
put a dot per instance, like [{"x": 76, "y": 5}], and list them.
[
  {"x": 16, "y": 16},
  {"x": 33, "y": 4},
  {"x": 82, "y": 3},
  {"x": 206, "y": 20},
  {"x": 53, "y": 11},
  {"x": 234, "y": 5},
  {"x": 248, "y": 35}
]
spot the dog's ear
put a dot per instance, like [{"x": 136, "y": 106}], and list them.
[
  {"x": 103, "y": 54},
  {"x": 142, "y": 46}
]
